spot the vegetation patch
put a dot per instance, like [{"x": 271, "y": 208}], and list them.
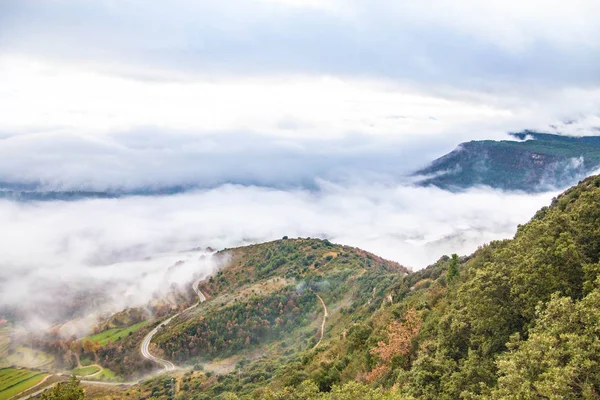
[
  {"x": 5, "y": 332},
  {"x": 107, "y": 375},
  {"x": 29, "y": 358},
  {"x": 115, "y": 334},
  {"x": 14, "y": 381},
  {"x": 84, "y": 371}
]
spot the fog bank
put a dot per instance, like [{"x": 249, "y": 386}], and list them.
[{"x": 127, "y": 249}]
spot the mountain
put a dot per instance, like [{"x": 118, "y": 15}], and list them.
[
  {"x": 533, "y": 162},
  {"x": 34, "y": 193},
  {"x": 309, "y": 319}
]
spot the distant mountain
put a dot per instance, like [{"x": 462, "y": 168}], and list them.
[
  {"x": 32, "y": 193},
  {"x": 534, "y": 162}
]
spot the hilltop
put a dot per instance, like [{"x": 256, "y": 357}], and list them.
[{"x": 533, "y": 162}]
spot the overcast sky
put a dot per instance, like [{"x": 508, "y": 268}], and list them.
[{"x": 122, "y": 94}]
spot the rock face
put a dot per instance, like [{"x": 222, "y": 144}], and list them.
[{"x": 535, "y": 162}]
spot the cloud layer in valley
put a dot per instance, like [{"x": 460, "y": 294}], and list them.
[{"x": 127, "y": 248}]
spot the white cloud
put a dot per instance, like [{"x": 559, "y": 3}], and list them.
[
  {"x": 41, "y": 96},
  {"x": 125, "y": 247}
]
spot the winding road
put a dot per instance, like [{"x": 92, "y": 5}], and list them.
[
  {"x": 145, "y": 346},
  {"x": 144, "y": 349}
]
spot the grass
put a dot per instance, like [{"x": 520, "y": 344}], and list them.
[
  {"x": 107, "y": 375},
  {"x": 113, "y": 335},
  {"x": 4, "y": 345},
  {"x": 84, "y": 371},
  {"x": 4, "y": 341},
  {"x": 14, "y": 381}
]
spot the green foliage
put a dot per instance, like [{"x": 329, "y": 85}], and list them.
[
  {"x": 348, "y": 391},
  {"x": 239, "y": 325},
  {"x": 561, "y": 357},
  {"x": 555, "y": 254},
  {"x": 528, "y": 165},
  {"x": 452, "y": 269},
  {"x": 71, "y": 390}
]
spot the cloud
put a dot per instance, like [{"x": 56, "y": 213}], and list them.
[
  {"x": 124, "y": 250},
  {"x": 442, "y": 41},
  {"x": 70, "y": 128}
]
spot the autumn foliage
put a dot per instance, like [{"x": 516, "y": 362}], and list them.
[{"x": 400, "y": 335}]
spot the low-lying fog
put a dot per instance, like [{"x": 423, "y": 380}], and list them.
[{"x": 127, "y": 249}]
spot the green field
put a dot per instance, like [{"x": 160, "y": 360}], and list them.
[
  {"x": 107, "y": 375},
  {"x": 4, "y": 341},
  {"x": 84, "y": 371},
  {"x": 29, "y": 358},
  {"x": 112, "y": 335},
  {"x": 14, "y": 381}
]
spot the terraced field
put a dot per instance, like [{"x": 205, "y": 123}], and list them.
[
  {"x": 4, "y": 341},
  {"x": 14, "y": 381},
  {"x": 5, "y": 332},
  {"x": 25, "y": 357},
  {"x": 113, "y": 335}
]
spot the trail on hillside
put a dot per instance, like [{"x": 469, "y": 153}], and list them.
[
  {"x": 325, "y": 315},
  {"x": 145, "y": 346}
]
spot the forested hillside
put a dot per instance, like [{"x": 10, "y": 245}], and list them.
[
  {"x": 519, "y": 318},
  {"x": 537, "y": 162}
]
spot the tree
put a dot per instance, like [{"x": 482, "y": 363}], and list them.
[
  {"x": 453, "y": 269},
  {"x": 400, "y": 336},
  {"x": 561, "y": 356},
  {"x": 71, "y": 390}
]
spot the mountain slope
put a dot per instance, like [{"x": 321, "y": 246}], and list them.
[
  {"x": 537, "y": 162},
  {"x": 518, "y": 318}
]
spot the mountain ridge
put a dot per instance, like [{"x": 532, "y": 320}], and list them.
[{"x": 535, "y": 162}]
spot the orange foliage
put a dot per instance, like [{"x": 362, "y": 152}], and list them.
[{"x": 400, "y": 335}]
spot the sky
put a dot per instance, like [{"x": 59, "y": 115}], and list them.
[
  {"x": 287, "y": 117},
  {"x": 95, "y": 94}
]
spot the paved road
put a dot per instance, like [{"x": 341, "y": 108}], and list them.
[
  {"x": 198, "y": 292},
  {"x": 145, "y": 347}
]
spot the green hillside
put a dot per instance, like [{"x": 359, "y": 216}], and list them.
[
  {"x": 519, "y": 318},
  {"x": 538, "y": 162},
  {"x": 268, "y": 293}
]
